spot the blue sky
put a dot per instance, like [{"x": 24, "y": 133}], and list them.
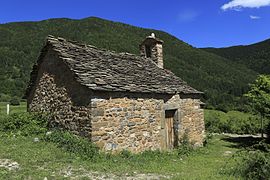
[{"x": 201, "y": 23}]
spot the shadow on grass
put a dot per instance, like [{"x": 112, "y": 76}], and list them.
[{"x": 242, "y": 142}]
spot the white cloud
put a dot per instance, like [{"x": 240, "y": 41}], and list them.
[
  {"x": 238, "y": 4},
  {"x": 254, "y": 17}
]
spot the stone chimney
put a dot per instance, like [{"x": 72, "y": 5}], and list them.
[{"x": 151, "y": 47}]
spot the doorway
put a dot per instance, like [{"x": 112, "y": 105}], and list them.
[{"x": 171, "y": 128}]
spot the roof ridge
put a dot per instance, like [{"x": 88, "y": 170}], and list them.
[{"x": 52, "y": 39}]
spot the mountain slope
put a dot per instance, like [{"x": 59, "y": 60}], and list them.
[
  {"x": 20, "y": 43},
  {"x": 254, "y": 56}
]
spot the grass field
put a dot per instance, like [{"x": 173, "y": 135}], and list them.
[
  {"x": 41, "y": 159},
  {"x": 13, "y": 109},
  {"x": 38, "y": 160}
]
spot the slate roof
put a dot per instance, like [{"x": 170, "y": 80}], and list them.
[{"x": 104, "y": 70}]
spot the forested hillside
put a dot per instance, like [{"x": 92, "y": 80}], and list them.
[
  {"x": 254, "y": 56},
  {"x": 222, "y": 80}
]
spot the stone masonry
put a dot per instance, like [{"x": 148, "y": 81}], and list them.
[
  {"x": 115, "y": 124},
  {"x": 155, "y": 49},
  {"x": 192, "y": 121},
  {"x": 92, "y": 93},
  {"x": 56, "y": 102},
  {"x": 138, "y": 124},
  {"x": 124, "y": 123}
]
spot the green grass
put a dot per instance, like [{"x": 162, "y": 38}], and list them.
[
  {"x": 46, "y": 159},
  {"x": 13, "y": 109},
  {"x": 42, "y": 159}
]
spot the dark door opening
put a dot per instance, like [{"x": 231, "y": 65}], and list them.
[
  {"x": 171, "y": 128},
  {"x": 148, "y": 51}
]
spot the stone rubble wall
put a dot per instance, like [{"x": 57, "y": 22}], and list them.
[
  {"x": 127, "y": 123},
  {"x": 173, "y": 102},
  {"x": 156, "y": 53},
  {"x": 192, "y": 121},
  {"x": 59, "y": 95},
  {"x": 49, "y": 98},
  {"x": 114, "y": 121},
  {"x": 115, "y": 124},
  {"x": 190, "y": 118}
]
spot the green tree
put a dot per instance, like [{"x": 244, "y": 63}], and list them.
[
  {"x": 259, "y": 96},
  {"x": 15, "y": 101},
  {"x": 222, "y": 80}
]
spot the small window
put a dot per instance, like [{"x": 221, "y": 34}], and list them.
[{"x": 148, "y": 51}]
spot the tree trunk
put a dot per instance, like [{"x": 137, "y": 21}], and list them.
[{"x": 262, "y": 126}]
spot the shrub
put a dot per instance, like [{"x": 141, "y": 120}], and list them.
[
  {"x": 261, "y": 146},
  {"x": 253, "y": 165},
  {"x": 125, "y": 154},
  {"x": 185, "y": 147},
  {"x": 231, "y": 122},
  {"x": 216, "y": 121},
  {"x": 243, "y": 123},
  {"x": 207, "y": 139},
  {"x": 25, "y": 124},
  {"x": 15, "y": 101},
  {"x": 4, "y": 97},
  {"x": 73, "y": 144}
]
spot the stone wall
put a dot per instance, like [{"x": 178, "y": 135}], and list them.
[
  {"x": 156, "y": 50},
  {"x": 114, "y": 124},
  {"x": 158, "y": 55},
  {"x": 114, "y": 121},
  {"x": 189, "y": 118},
  {"x": 127, "y": 123},
  {"x": 58, "y": 94},
  {"x": 56, "y": 102},
  {"x": 192, "y": 121},
  {"x": 138, "y": 124}
]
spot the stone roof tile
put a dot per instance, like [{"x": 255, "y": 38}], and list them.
[{"x": 103, "y": 70}]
